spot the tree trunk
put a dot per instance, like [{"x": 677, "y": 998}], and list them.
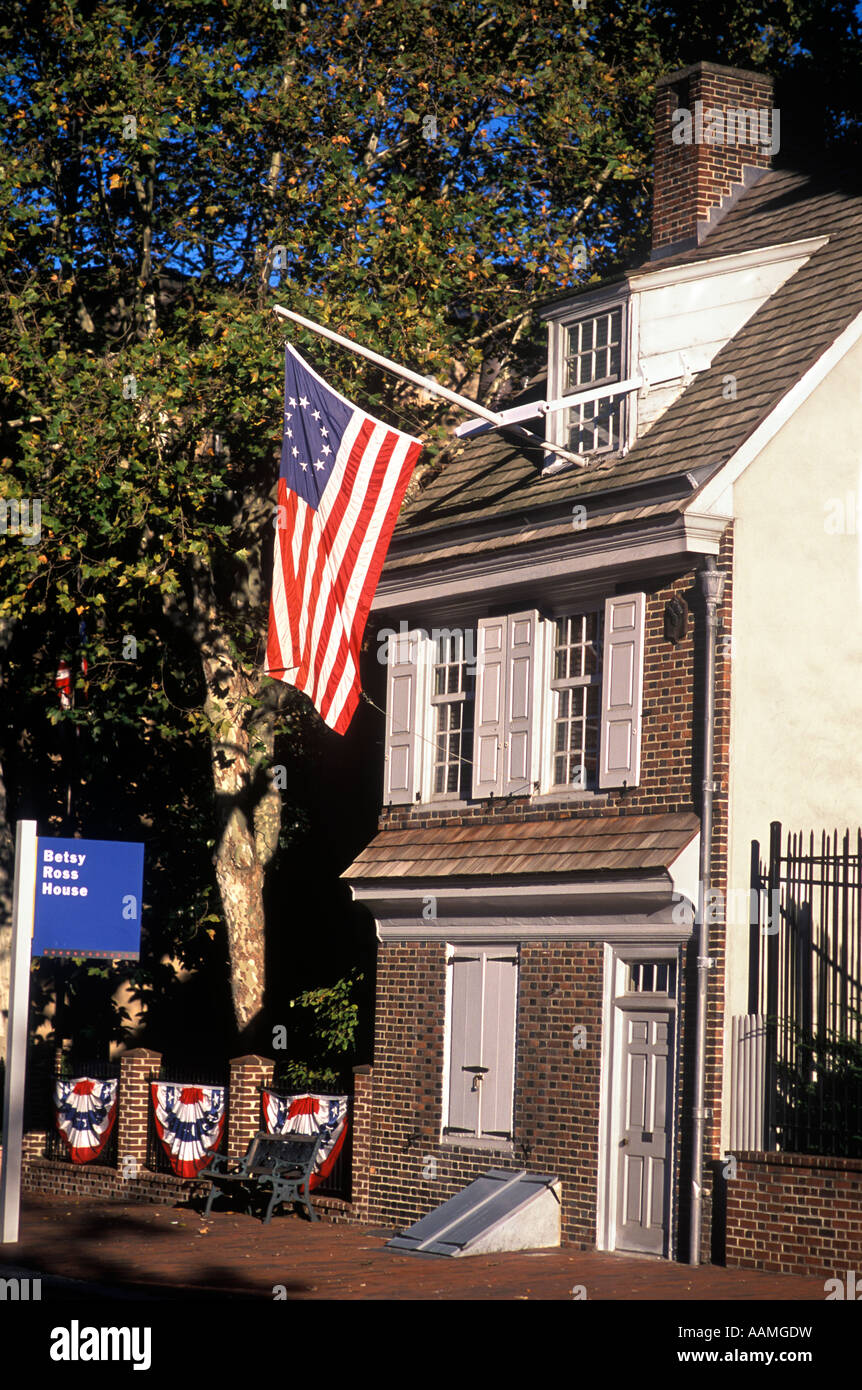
[{"x": 249, "y": 818}]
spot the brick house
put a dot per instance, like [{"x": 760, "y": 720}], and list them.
[{"x": 558, "y": 696}]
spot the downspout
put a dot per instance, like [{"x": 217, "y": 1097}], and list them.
[{"x": 712, "y": 583}]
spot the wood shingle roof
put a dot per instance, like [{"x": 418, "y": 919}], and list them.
[{"x": 602, "y": 843}]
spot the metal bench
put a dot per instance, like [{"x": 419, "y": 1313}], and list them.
[{"x": 279, "y": 1165}]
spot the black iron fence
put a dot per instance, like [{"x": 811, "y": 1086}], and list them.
[
  {"x": 158, "y": 1160},
  {"x": 806, "y": 981}
]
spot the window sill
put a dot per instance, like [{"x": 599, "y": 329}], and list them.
[
  {"x": 478, "y": 1142},
  {"x": 561, "y": 795},
  {"x": 600, "y": 797}
]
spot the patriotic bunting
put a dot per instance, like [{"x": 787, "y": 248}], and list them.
[
  {"x": 86, "y": 1111},
  {"x": 306, "y": 1114},
  {"x": 189, "y": 1122}
]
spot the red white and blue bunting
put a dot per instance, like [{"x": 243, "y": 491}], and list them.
[
  {"x": 189, "y": 1122},
  {"x": 306, "y": 1114},
  {"x": 86, "y": 1111}
]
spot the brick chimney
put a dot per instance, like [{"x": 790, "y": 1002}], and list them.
[{"x": 716, "y": 130}]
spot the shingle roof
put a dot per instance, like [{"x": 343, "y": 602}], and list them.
[
  {"x": 624, "y": 843},
  {"x": 493, "y": 476}
]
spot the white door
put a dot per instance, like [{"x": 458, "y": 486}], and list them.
[{"x": 645, "y": 1037}]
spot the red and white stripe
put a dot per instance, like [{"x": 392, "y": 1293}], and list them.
[{"x": 327, "y": 563}]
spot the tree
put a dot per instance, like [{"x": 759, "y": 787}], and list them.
[{"x": 415, "y": 174}]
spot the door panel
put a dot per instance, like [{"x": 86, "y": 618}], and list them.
[{"x": 644, "y": 1134}]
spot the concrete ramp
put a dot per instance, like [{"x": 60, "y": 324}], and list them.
[{"x": 501, "y": 1210}]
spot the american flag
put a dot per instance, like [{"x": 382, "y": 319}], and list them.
[{"x": 342, "y": 481}]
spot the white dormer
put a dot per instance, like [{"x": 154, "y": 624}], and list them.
[
  {"x": 685, "y": 314},
  {"x": 619, "y": 356}
]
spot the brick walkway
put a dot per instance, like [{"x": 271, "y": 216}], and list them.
[{"x": 167, "y": 1251}]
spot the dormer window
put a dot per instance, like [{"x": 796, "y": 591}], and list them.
[
  {"x": 593, "y": 358},
  {"x": 590, "y": 389}
]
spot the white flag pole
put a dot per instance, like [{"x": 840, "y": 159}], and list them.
[
  {"x": 427, "y": 382},
  {"x": 23, "y": 909}
]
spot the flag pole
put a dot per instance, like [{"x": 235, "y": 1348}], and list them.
[{"x": 426, "y": 382}]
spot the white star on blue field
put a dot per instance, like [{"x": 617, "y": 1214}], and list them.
[{"x": 315, "y": 420}]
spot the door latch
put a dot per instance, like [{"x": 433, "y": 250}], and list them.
[{"x": 478, "y": 1073}]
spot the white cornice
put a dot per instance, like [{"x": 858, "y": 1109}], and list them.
[
  {"x": 602, "y": 909},
  {"x": 577, "y": 558},
  {"x": 629, "y": 930},
  {"x": 711, "y": 497},
  {"x": 659, "y": 278}
]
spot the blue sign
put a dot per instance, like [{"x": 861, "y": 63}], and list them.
[{"x": 88, "y": 899}]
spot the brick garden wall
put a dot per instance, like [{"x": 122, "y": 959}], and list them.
[
  {"x": 131, "y": 1181},
  {"x": 795, "y": 1214}
]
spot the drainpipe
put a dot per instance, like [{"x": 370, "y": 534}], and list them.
[{"x": 712, "y": 583}]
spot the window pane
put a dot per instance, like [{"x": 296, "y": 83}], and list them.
[{"x": 575, "y": 736}]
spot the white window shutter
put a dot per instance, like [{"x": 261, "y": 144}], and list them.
[
  {"x": 466, "y": 1041},
  {"x": 490, "y": 707},
  {"x": 499, "y": 1013},
  {"x": 622, "y": 690},
  {"x": 521, "y": 702},
  {"x": 404, "y": 685}
]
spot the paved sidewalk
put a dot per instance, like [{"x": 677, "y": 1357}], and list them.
[{"x": 167, "y": 1252}]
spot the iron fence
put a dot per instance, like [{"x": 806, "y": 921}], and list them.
[{"x": 805, "y": 979}]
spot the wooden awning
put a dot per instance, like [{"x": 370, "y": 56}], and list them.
[{"x": 586, "y": 845}]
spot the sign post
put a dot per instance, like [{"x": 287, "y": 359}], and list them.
[
  {"x": 72, "y": 898},
  {"x": 23, "y": 901}
]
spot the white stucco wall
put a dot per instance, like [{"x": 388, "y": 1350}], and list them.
[{"x": 796, "y": 708}]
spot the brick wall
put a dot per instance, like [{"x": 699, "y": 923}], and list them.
[
  {"x": 669, "y": 781},
  {"x": 363, "y": 1102},
  {"x": 556, "y": 1087},
  {"x": 247, "y": 1075},
  {"x": 133, "y": 1107},
  {"x": 691, "y": 179},
  {"x": 795, "y": 1214}
]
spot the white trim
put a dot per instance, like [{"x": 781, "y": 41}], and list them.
[
  {"x": 447, "y": 1039},
  {"x": 622, "y": 929},
  {"x": 604, "y": 1227},
  {"x": 710, "y": 495},
  {"x": 614, "y": 1005},
  {"x": 484, "y": 573},
  {"x": 685, "y": 873},
  {"x": 665, "y": 276}
]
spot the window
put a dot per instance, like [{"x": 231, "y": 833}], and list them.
[
  {"x": 576, "y": 701},
  {"x": 483, "y": 994},
  {"x": 590, "y": 351},
  {"x": 593, "y": 357},
  {"x": 557, "y": 706},
  {"x": 451, "y": 703},
  {"x": 651, "y": 977}
]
